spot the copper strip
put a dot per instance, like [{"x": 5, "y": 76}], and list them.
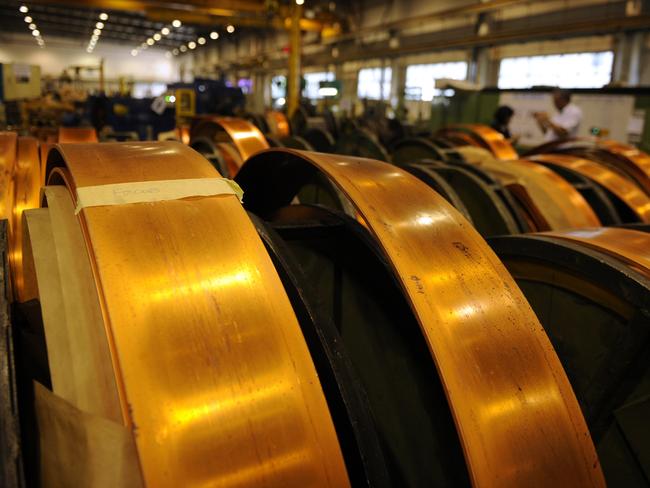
[
  {"x": 561, "y": 205},
  {"x": 213, "y": 373},
  {"x": 8, "y": 154},
  {"x": 640, "y": 158},
  {"x": 278, "y": 124},
  {"x": 619, "y": 185},
  {"x": 629, "y": 245},
  {"x": 27, "y": 186},
  {"x": 77, "y": 134},
  {"x": 486, "y": 137},
  {"x": 516, "y": 414},
  {"x": 245, "y": 136}
]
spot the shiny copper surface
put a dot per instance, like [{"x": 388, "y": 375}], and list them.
[
  {"x": 517, "y": 417},
  {"x": 27, "y": 186},
  {"x": 542, "y": 192},
  {"x": 77, "y": 134},
  {"x": 278, "y": 123},
  {"x": 486, "y": 137},
  {"x": 631, "y": 246},
  {"x": 8, "y": 154},
  {"x": 245, "y": 136},
  {"x": 213, "y": 373},
  {"x": 616, "y": 183}
]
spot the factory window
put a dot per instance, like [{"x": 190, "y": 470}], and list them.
[
  {"x": 580, "y": 70},
  {"x": 148, "y": 90},
  {"x": 278, "y": 87},
  {"x": 370, "y": 83},
  {"x": 421, "y": 78},
  {"x": 312, "y": 84}
]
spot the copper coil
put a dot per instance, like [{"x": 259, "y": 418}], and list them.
[
  {"x": 77, "y": 134},
  {"x": 213, "y": 375},
  {"x": 610, "y": 179},
  {"x": 515, "y": 412},
  {"x": 482, "y": 136},
  {"x": 245, "y": 136},
  {"x": 278, "y": 124},
  {"x": 27, "y": 186},
  {"x": 550, "y": 201},
  {"x": 8, "y": 155},
  {"x": 630, "y": 246}
]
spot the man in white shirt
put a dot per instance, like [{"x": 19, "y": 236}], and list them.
[{"x": 565, "y": 123}]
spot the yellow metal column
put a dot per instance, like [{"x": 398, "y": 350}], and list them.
[{"x": 295, "y": 46}]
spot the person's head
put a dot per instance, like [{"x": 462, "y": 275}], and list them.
[
  {"x": 561, "y": 98},
  {"x": 503, "y": 115}
]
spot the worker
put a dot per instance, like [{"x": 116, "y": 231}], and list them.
[
  {"x": 565, "y": 123},
  {"x": 501, "y": 120}
]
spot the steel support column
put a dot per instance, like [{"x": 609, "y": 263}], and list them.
[{"x": 295, "y": 47}]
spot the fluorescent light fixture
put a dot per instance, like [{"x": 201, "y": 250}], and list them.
[
  {"x": 176, "y": 23},
  {"x": 328, "y": 91},
  {"x": 230, "y": 28},
  {"x": 23, "y": 9},
  {"x": 214, "y": 35},
  {"x": 103, "y": 16},
  {"x": 164, "y": 31},
  {"x": 201, "y": 40}
]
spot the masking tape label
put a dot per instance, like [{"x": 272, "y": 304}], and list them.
[{"x": 154, "y": 191}]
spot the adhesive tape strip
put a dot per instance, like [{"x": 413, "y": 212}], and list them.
[{"x": 154, "y": 191}]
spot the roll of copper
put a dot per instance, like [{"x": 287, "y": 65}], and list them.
[
  {"x": 278, "y": 124},
  {"x": 245, "y": 136},
  {"x": 27, "y": 186},
  {"x": 550, "y": 201},
  {"x": 77, "y": 134},
  {"x": 610, "y": 179},
  {"x": 8, "y": 155},
  {"x": 641, "y": 158},
  {"x": 213, "y": 374},
  {"x": 485, "y": 137},
  {"x": 515, "y": 412},
  {"x": 630, "y": 246}
]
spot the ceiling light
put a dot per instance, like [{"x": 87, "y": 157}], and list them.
[
  {"x": 99, "y": 25},
  {"x": 191, "y": 44},
  {"x": 230, "y": 28},
  {"x": 97, "y": 32},
  {"x": 35, "y": 33},
  {"x": 157, "y": 37},
  {"x": 164, "y": 31},
  {"x": 168, "y": 54},
  {"x": 94, "y": 38},
  {"x": 89, "y": 50},
  {"x": 103, "y": 16},
  {"x": 150, "y": 41},
  {"x": 183, "y": 48},
  {"x": 28, "y": 19},
  {"x": 300, "y": 2},
  {"x": 134, "y": 52},
  {"x": 201, "y": 40},
  {"x": 32, "y": 26},
  {"x": 176, "y": 23},
  {"x": 214, "y": 35},
  {"x": 175, "y": 52},
  {"x": 23, "y": 9}
]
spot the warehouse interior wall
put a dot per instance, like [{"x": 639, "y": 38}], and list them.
[{"x": 148, "y": 66}]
